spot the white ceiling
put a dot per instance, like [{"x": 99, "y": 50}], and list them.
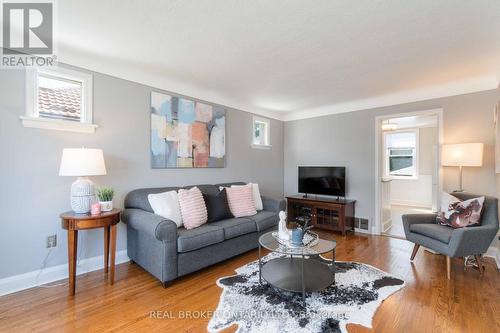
[{"x": 289, "y": 59}]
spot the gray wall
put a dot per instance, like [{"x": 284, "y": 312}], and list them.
[
  {"x": 348, "y": 140},
  {"x": 32, "y": 194}
]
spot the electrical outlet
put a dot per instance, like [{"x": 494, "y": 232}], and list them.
[{"x": 51, "y": 241}]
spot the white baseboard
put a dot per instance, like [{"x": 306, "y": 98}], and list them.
[
  {"x": 362, "y": 231},
  {"x": 494, "y": 253},
  {"x": 55, "y": 273}
]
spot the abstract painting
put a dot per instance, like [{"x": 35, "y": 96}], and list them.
[{"x": 186, "y": 133}]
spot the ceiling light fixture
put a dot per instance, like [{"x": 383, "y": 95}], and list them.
[{"x": 388, "y": 126}]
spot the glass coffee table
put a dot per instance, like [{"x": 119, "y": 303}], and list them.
[{"x": 299, "y": 269}]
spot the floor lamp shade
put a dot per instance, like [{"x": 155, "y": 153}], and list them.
[
  {"x": 81, "y": 163},
  {"x": 462, "y": 155}
]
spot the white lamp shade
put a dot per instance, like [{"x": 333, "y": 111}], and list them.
[
  {"x": 462, "y": 154},
  {"x": 80, "y": 162}
]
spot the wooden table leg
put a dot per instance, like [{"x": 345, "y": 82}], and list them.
[
  {"x": 106, "y": 249},
  {"x": 113, "y": 251},
  {"x": 72, "y": 254}
]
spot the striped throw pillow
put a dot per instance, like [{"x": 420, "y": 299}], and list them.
[
  {"x": 240, "y": 199},
  {"x": 193, "y": 209}
]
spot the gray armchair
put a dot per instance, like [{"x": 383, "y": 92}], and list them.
[{"x": 422, "y": 229}]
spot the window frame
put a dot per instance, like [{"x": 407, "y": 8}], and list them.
[
  {"x": 267, "y": 122},
  {"x": 32, "y": 118},
  {"x": 416, "y": 155}
]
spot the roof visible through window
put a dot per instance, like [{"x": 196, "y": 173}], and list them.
[{"x": 59, "y": 98}]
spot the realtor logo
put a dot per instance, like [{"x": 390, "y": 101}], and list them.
[
  {"x": 27, "y": 28},
  {"x": 27, "y": 34}
]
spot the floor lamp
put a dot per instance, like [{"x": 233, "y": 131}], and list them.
[{"x": 462, "y": 155}]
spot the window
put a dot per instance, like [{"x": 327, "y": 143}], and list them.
[
  {"x": 401, "y": 150},
  {"x": 59, "y": 99},
  {"x": 261, "y": 134}
]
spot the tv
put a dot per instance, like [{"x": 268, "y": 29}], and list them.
[{"x": 322, "y": 180}]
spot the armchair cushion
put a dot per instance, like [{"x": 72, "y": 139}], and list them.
[
  {"x": 439, "y": 232},
  {"x": 411, "y": 219}
]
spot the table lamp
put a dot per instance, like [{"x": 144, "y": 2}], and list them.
[
  {"x": 82, "y": 163},
  {"x": 462, "y": 155}
]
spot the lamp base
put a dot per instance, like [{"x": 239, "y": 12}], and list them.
[{"x": 82, "y": 195}]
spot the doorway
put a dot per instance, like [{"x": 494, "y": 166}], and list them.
[{"x": 408, "y": 172}]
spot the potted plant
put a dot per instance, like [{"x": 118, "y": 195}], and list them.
[{"x": 105, "y": 196}]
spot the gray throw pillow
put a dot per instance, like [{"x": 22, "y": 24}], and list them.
[{"x": 217, "y": 206}]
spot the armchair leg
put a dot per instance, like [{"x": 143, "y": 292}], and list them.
[
  {"x": 414, "y": 252},
  {"x": 448, "y": 267},
  {"x": 479, "y": 264}
]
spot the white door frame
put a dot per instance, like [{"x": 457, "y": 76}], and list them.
[{"x": 377, "y": 227}]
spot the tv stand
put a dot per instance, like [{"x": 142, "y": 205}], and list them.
[{"x": 324, "y": 213}]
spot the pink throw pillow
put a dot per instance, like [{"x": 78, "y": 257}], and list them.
[
  {"x": 240, "y": 199},
  {"x": 193, "y": 209}
]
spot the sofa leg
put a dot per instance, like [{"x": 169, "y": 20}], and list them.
[
  {"x": 448, "y": 267},
  {"x": 479, "y": 264},
  {"x": 166, "y": 284},
  {"x": 414, "y": 252}
]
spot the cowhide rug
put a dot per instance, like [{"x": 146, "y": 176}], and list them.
[{"x": 358, "y": 292}]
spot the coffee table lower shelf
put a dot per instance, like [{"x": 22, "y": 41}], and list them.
[{"x": 298, "y": 274}]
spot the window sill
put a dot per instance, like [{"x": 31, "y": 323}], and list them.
[
  {"x": 402, "y": 177},
  {"x": 267, "y": 147},
  {"x": 58, "y": 125}
]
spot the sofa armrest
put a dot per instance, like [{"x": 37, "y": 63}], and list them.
[
  {"x": 410, "y": 219},
  {"x": 156, "y": 226},
  {"x": 471, "y": 240},
  {"x": 273, "y": 204}
]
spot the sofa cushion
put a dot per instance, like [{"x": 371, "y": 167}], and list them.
[
  {"x": 193, "y": 239},
  {"x": 217, "y": 206},
  {"x": 236, "y": 226},
  {"x": 439, "y": 232},
  {"x": 265, "y": 220}
]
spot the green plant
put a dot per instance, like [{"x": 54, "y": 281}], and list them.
[{"x": 105, "y": 193}]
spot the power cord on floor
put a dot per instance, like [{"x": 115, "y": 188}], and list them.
[{"x": 44, "y": 266}]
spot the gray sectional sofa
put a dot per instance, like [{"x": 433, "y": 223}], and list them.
[{"x": 168, "y": 252}]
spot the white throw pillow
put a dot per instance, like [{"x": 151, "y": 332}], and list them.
[
  {"x": 166, "y": 205},
  {"x": 256, "y": 196}
]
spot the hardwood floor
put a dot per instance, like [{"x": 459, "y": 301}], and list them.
[{"x": 429, "y": 303}]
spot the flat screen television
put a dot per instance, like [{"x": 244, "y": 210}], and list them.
[{"x": 322, "y": 180}]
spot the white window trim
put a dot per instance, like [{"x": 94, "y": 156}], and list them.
[
  {"x": 31, "y": 118},
  {"x": 417, "y": 155},
  {"x": 268, "y": 133}
]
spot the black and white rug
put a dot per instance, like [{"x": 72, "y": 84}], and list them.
[{"x": 358, "y": 292}]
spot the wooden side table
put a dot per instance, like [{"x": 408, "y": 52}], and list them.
[{"x": 74, "y": 222}]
